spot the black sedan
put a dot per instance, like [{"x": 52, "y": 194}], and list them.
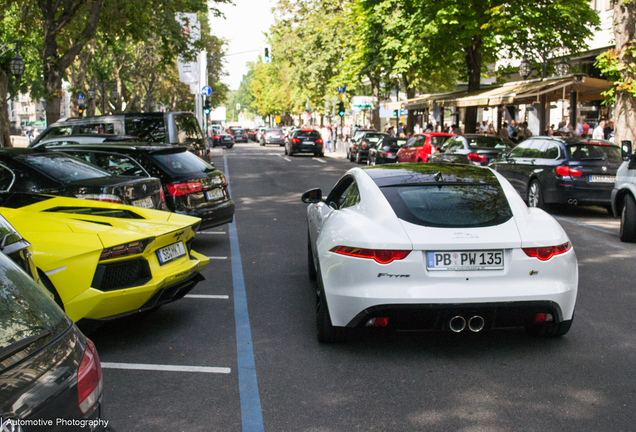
[
  {"x": 385, "y": 152},
  {"x": 304, "y": 141},
  {"x": 471, "y": 149},
  {"x": 54, "y": 173},
  {"x": 238, "y": 134},
  {"x": 221, "y": 138},
  {"x": 191, "y": 185},
  {"x": 546, "y": 170},
  {"x": 49, "y": 372},
  {"x": 359, "y": 151}
]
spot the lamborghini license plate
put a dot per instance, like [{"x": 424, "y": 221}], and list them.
[{"x": 170, "y": 253}]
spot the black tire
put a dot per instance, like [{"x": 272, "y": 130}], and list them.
[
  {"x": 549, "y": 330},
  {"x": 281, "y": 145},
  {"x": 535, "y": 196},
  {"x": 311, "y": 267},
  {"x": 628, "y": 220},
  {"x": 49, "y": 286},
  {"x": 325, "y": 331},
  {"x": 229, "y": 145}
]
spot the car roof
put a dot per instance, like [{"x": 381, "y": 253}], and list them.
[
  {"x": 575, "y": 140},
  {"x": 430, "y": 173},
  {"x": 137, "y": 147}
]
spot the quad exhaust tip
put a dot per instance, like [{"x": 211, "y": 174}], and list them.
[
  {"x": 476, "y": 324},
  {"x": 457, "y": 324}
]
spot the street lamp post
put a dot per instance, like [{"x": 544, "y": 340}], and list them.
[
  {"x": 16, "y": 64},
  {"x": 104, "y": 84},
  {"x": 525, "y": 70}
]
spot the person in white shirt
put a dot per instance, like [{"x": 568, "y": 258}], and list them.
[{"x": 598, "y": 130}]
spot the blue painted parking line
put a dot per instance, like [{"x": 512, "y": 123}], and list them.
[
  {"x": 251, "y": 414},
  {"x": 585, "y": 225}
]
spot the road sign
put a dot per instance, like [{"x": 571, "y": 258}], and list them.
[
  {"x": 206, "y": 90},
  {"x": 238, "y": 106},
  {"x": 80, "y": 96}
]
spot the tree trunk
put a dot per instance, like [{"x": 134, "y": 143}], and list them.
[
  {"x": 473, "y": 66},
  {"x": 625, "y": 105},
  {"x": 5, "y": 125},
  {"x": 410, "y": 94},
  {"x": 376, "y": 109}
]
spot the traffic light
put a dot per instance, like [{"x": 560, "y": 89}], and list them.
[
  {"x": 207, "y": 107},
  {"x": 80, "y": 110},
  {"x": 266, "y": 57},
  {"x": 341, "y": 109},
  {"x": 395, "y": 113}
]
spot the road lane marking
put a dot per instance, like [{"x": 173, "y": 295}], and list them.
[
  {"x": 207, "y": 296},
  {"x": 166, "y": 368},
  {"x": 211, "y": 232},
  {"x": 217, "y": 258},
  {"x": 287, "y": 159},
  {"x": 319, "y": 160},
  {"x": 251, "y": 412},
  {"x": 585, "y": 225}
]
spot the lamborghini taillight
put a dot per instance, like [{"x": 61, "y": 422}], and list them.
[{"x": 132, "y": 248}]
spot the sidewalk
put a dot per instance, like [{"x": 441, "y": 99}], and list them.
[{"x": 340, "y": 150}]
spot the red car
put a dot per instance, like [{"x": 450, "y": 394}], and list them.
[{"x": 420, "y": 146}]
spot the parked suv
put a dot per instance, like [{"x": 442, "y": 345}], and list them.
[
  {"x": 556, "y": 170},
  {"x": 624, "y": 195},
  {"x": 177, "y": 128}
]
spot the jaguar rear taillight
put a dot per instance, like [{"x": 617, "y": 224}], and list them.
[
  {"x": 565, "y": 170},
  {"x": 89, "y": 379},
  {"x": 100, "y": 197},
  {"x": 382, "y": 256},
  {"x": 176, "y": 189},
  {"x": 476, "y": 157},
  {"x": 545, "y": 253}
]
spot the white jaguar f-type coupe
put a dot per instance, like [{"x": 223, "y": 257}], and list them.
[{"x": 436, "y": 247}]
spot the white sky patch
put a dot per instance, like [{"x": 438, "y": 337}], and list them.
[{"x": 243, "y": 27}]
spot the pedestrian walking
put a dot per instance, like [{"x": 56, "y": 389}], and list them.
[{"x": 599, "y": 130}]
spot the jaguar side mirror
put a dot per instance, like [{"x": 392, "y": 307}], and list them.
[{"x": 312, "y": 196}]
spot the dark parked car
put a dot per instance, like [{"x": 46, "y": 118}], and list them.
[
  {"x": 221, "y": 138},
  {"x": 385, "y": 151},
  {"x": 55, "y": 173},
  {"x": 546, "y": 170},
  {"x": 251, "y": 134},
  {"x": 191, "y": 186},
  {"x": 238, "y": 134},
  {"x": 176, "y": 128},
  {"x": 471, "y": 149},
  {"x": 359, "y": 151},
  {"x": 273, "y": 136},
  {"x": 304, "y": 141},
  {"x": 48, "y": 369}
]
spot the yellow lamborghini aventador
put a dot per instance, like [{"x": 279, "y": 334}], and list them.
[{"x": 103, "y": 260}]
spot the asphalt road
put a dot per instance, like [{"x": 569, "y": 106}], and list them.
[{"x": 495, "y": 381}]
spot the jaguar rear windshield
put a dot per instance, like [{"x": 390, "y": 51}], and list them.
[{"x": 450, "y": 205}]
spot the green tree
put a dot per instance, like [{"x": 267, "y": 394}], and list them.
[{"x": 484, "y": 31}]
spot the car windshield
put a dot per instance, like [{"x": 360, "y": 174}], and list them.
[
  {"x": 63, "y": 167},
  {"x": 487, "y": 142},
  {"x": 374, "y": 138},
  {"x": 450, "y": 205},
  {"x": 437, "y": 141},
  {"x": 188, "y": 130},
  {"x": 182, "y": 163},
  {"x": 151, "y": 129},
  {"x": 27, "y": 314},
  {"x": 589, "y": 152}
]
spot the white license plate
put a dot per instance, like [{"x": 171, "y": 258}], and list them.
[
  {"x": 144, "y": 202},
  {"x": 170, "y": 253},
  {"x": 214, "y": 194},
  {"x": 602, "y": 179},
  {"x": 308, "y": 143},
  {"x": 466, "y": 260}
]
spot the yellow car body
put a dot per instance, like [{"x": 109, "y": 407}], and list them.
[{"x": 77, "y": 249}]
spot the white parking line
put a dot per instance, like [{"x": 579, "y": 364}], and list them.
[
  {"x": 168, "y": 368},
  {"x": 207, "y": 296},
  {"x": 220, "y": 258},
  {"x": 319, "y": 160},
  {"x": 287, "y": 159},
  {"x": 213, "y": 232}
]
